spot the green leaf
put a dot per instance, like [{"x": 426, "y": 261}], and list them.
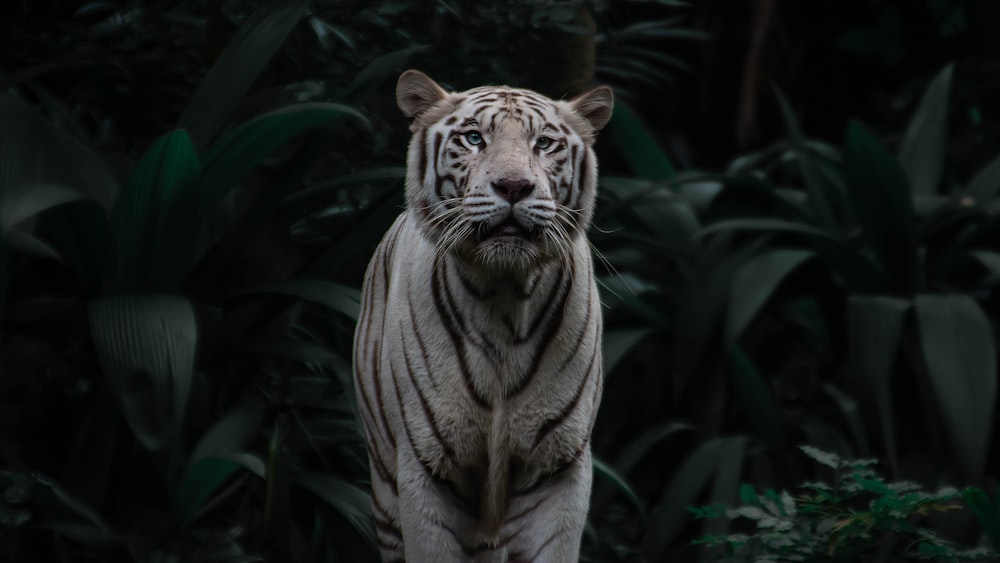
[
  {"x": 371, "y": 78},
  {"x": 31, "y": 152},
  {"x": 617, "y": 343},
  {"x": 3, "y": 278},
  {"x": 958, "y": 348},
  {"x": 338, "y": 183},
  {"x": 926, "y": 140},
  {"x": 702, "y": 305},
  {"x": 881, "y": 199},
  {"x": 725, "y": 488},
  {"x": 230, "y": 434},
  {"x": 146, "y": 346},
  {"x": 200, "y": 480},
  {"x": 351, "y": 502},
  {"x": 859, "y": 272},
  {"x": 340, "y": 298},
  {"x": 874, "y": 328},
  {"x": 618, "y": 481},
  {"x": 753, "y": 285},
  {"x": 155, "y": 216},
  {"x": 819, "y": 190},
  {"x": 19, "y": 203},
  {"x": 988, "y": 513},
  {"x": 239, "y": 151},
  {"x": 239, "y": 64},
  {"x": 752, "y": 394},
  {"x": 638, "y": 145},
  {"x": 82, "y": 233},
  {"x": 671, "y": 515},
  {"x": 990, "y": 260},
  {"x": 984, "y": 186},
  {"x": 640, "y": 446}
]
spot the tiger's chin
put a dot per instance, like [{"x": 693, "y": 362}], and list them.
[{"x": 507, "y": 254}]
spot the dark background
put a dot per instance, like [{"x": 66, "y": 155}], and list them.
[{"x": 797, "y": 235}]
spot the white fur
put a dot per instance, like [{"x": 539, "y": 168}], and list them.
[{"x": 469, "y": 487}]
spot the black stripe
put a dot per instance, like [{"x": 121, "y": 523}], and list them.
[
  {"x": 542, "y": 547},
  {"x": 556, "y": 317},
  {"x": 551, "y": 476},
  {"x": 425, "y": 406},
  {"x": 375, "y": 457},
  {"x": 551, "y": 424},
  {"x": 474, "y": 291},
  {"x": 406, "y": 430},
  {"x": 571, "y": 183},
  {"x": 550, "y": 302},
  {"x": 585, "y": 327},
  {"x": 423, "y": 349},
  {"x": 438, "y": 138},
  {"x": 422, "y": 164},
  {"x": 483, "y": 342},
  {"x": 456, "y": 338}
]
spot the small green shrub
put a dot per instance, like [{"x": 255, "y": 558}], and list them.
[{"x": 859, "y": 517}]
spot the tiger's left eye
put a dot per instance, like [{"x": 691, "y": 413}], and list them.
[
  {"x": 473, "y": 138},
  {"x": 543, "y": 143}
]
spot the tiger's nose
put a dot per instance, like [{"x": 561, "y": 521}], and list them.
[{"x": 513, "y": 190}]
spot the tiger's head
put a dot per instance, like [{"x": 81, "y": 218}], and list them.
[{"x": 502, "y": 177}]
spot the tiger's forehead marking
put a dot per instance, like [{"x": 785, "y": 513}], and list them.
[{"x": 489, "y": 106}]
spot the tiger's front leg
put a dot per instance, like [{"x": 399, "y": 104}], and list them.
[
  {"x": 435, "y": 526},
  {"x": 546, "y": 524}
]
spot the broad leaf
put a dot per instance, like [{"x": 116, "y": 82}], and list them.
[
  {"x": 146, "y": 346},
  {"x": 874, "y": 329},
  {"x": 852, "y": 265},
  {"x": 702, "y": 304},
  {"x": 753, "y": 285},
  {"x": 351, "y": 502},
  {"x": 755, "y": 398},
  {"x": 239, "y": 64},
  {"x": 231, "y": 434},
  {"x": 30, "y": 149},
  {"x": 239, "y": 151},
  {"x": 984, "y": 186},
  {"x": 618, "y": 481},
  {"x": 340, "y": 298},
  {"x": 989, "y": 260},
  {"x": 685, "y": 487},
  {"x": 373, "y": 76},
  {"x": 988, "y": 513},
  {"x": 155, "y": 216},
  {"x": 362, "y": 177},
  {"x": 82, "y": 233},
  {"x": 960, "y": 355},
  {"x": 725, "y": 489},
  {"x": 926, "y": 141},
  {"x": 820, "y": 192},
  {"x": 638, "y": 145},
  {"x": 18, "y": 203},
  {"x": 881, "y": 199},
  {"x": 200, "y": 480},
  {"x": 617, "y": 343}
]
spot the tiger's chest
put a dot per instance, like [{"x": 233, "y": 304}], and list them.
[{"x": 488, "y": 372}]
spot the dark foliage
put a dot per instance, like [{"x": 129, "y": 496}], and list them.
[{"x": 190, "y": 191}]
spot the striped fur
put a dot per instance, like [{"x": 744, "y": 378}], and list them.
[{"x": 477, "y": 356}]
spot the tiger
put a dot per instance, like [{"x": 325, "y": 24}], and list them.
[{"x": 477, "y": 352}]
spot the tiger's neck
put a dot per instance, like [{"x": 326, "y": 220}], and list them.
[{"x": 515, "y": 307}]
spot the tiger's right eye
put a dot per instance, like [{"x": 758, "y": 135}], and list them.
[{"x": 473, "y": 138}]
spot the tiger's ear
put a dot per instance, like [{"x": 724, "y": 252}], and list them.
[
  {"x": 416, "y": 93},
  {"x": 595, "y": 106}
]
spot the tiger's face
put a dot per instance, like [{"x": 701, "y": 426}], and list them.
[{"x": 503, "y": 178}]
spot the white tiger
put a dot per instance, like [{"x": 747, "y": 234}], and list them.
[{"x": 477, "y": 355}]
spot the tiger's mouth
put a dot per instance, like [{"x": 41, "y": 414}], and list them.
[{"x": 508, "y": 229}]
